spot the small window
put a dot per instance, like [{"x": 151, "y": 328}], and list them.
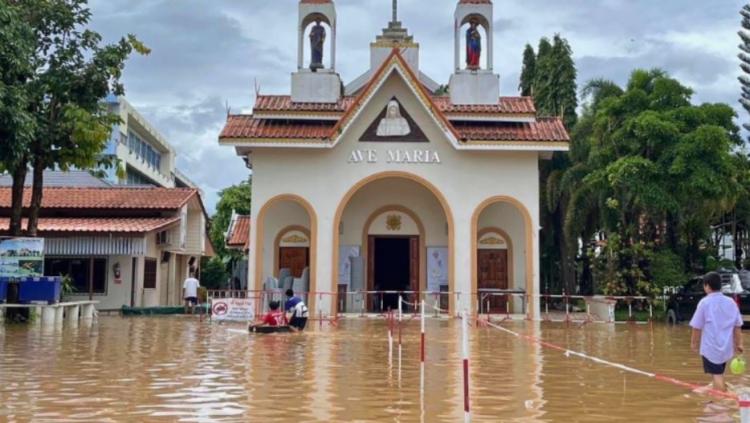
[
  {"x": 149, "y": 274},
  {"x": 99, "y": 275},
  {"x": 87, "y": 274}
]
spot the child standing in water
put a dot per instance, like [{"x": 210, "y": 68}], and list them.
[{"x": 717, "y": 327}]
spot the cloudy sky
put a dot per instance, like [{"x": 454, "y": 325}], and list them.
[{"x": 207, "y": 54}]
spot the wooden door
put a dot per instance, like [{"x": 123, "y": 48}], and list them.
[
  {"x": 414, "y": 266},
  {"x": 294, "y": 258},
  {"x": 492, "y": 273}
]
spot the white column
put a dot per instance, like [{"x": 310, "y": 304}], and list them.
[
  {"x": 300, "y": 46},
  {"x": 462, "y": 262},
  {"x": 323, "y": 263},
  {"x": 72, "y": 316},
  {"x": 87, "y": 312},
  {"x": 59, "y": 314},
  {"x": 333, "y": 45},
  {"x": 457, "y": 44},
  {"x": 534, "y": 313},
  {"x": 48, "y": 316}
]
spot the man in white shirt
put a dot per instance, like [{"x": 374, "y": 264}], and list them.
[{"x": 190, "y": 292}]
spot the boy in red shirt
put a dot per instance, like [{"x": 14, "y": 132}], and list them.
[{"x": 274, "y": 317}]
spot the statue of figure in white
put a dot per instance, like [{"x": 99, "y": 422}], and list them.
[{"x": 393, "y": 124}]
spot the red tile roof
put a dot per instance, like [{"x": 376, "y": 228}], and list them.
[
  {"x": 544, "y": 129},
  {"x": 247, "y": 126},
  {"x": 283, "y": 103},
  {"x": 505, "y": 105},
  {"x": 107, "y": 198},
  {"x": 92, "y": 225},
  {"x": 240, "y": 235}
]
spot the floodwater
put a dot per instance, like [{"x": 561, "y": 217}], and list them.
[{"x": 179, "y": 369}]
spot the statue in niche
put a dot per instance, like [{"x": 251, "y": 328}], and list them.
[
  {"x": 473, "y": 45},
  {"x": 317, "y": 40},
  {"x": 393, "y": 124}
]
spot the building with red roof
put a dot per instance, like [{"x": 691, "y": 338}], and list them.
[
  {"x": 391, "y": 181},
  {"x": 129, "y": 246}
]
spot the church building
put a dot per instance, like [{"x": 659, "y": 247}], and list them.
[{"x": 393, "y": 182}]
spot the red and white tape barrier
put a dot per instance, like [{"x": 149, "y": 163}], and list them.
[{"x": 713, "y": 392}]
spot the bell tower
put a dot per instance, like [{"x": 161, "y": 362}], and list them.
[
  {"x": 316, "y": 81},
  {"x": 473, "y": 81}
]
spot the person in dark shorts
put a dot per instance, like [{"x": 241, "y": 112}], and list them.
[
  {"x": 190, "y": 292},
  {"x": 717, "y": 325},
  {"x": 297, "y": 311}
]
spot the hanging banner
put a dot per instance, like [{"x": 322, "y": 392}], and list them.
[
  {"x": 233, "y": 309},
  {"x": 21, "y": 257}
]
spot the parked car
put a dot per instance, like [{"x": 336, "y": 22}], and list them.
[{"x": 682, "y": 304}]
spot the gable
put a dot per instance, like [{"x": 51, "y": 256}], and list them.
[{"x": 394, "y": 124}]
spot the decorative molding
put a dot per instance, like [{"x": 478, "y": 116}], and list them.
[
  {"x": 294, "y": 239},
  {"x": 393, "y": 222},
  {"x": 492, "y": 240}
]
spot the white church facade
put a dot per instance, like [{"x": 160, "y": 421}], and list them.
[{"x": 391, "y": 184}]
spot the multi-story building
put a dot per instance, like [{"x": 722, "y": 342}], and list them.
[{"x": 143, "y": 155}]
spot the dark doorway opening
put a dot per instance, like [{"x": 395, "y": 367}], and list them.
[{"x": 392, "y": 268}]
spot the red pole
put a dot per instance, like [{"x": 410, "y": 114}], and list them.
[{"x": 465, "y": 335}]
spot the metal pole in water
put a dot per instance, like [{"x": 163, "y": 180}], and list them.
[
  {"x": 744, "y": 407},
  {"x": 465, "y": 345},
  {"x": 390, "y": 338},
  {"x": 421, "y": 361}
]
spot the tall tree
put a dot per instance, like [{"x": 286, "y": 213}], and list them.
[
  {"x": 552, "y": 78},
  {"x": 650, "y": 173},
  {"x": 16, "y": 122},
  {"x": 73, "y": 72},
  {"x": 528, "y": 71}
]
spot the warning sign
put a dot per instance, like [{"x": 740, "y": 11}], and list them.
[{"x": 233, "y": 309}]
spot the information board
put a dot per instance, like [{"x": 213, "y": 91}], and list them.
[
  {"x": 21, "y": 257},
  {"x": 233, "y": 309}
]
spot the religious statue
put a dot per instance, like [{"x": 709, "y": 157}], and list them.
[
  {"x": 473, "y": 45},
  {"x": 393, "y": 124},
  {"x": 317, "y": 40}
]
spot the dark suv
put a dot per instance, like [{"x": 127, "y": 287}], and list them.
[{"x": 682, "y": 304}]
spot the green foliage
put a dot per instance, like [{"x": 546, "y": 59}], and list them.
[
  {"x": 650, "y": 174},
  {"x": 528, "y": 71},
  {"x": 667, "y": 269},
  {"x": 554, "y": 79},
  {"x": 214, "y": 274},
  {"x": 71, "y": 72},
  {"x": 235, "y": 199}
]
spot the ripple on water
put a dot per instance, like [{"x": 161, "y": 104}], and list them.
[{"x": 179, "y": 369}]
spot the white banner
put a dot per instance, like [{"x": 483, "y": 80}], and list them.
[{"x": 233, "y": 309}]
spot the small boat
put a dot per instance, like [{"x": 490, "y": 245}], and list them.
[{"x": 269, "y": 329}]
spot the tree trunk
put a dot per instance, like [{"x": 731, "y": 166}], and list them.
[
  {"x": 16, "y": 213},
  {"x": 36, "y": 197}
]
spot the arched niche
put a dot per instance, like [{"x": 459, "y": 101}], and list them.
[
  {"x": 306, "y": 24},
  {"x": 464, "y": 18}
]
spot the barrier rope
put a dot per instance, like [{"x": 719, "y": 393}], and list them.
[{"x": 713, "y": 392}]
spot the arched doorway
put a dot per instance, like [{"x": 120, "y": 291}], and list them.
[
  {"x": 502, "y": 254},
  {"x": 411, "y": 199},
  {"x": 282, "y": 222},
  {"x": 494, "y": 269}
]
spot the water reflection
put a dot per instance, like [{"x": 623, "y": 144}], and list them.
[{"x": 178, "y": 369}]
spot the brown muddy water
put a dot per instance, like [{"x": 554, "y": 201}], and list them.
[{"x": 179, "y": 369}]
